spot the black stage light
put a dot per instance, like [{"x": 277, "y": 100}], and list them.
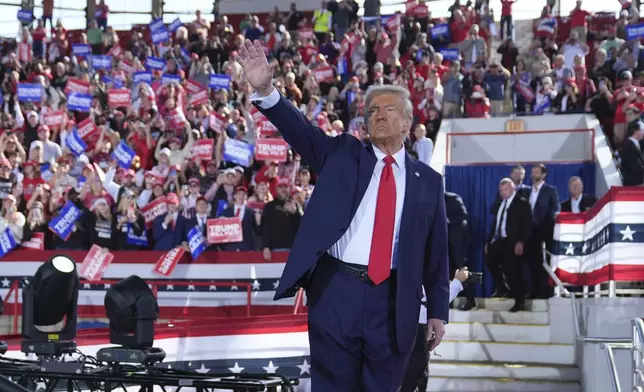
[
  {"x": 7, "y": 385},
  {"x": 132, "y": 310},
  {"x": 49, "y": 302}
]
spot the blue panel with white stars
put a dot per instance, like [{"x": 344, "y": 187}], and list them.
[
  {"x": 611, "y": 233},
  {"x": 292, "y": 367}
]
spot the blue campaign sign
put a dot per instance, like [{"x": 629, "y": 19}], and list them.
[
  {"x": 63, "y": 224},
  {"x": 154, "y": 63},
  {"x": 169, "y": 78},
  {"x": 238, "y": 152},
  {"x": 75, "y": 144},
  {"x": 7, "y": 242},
  {"x": 136, "y": 240},
  {"x": 79, "y": 102},
  {"x": 25, "y": 16},
  {"x": 175, "y": 25},
  {"x": 160, "y": 36},
  {"x": 196, "y": 242},
  {"x": 81, "y": 49},
  {"x": 30, "y": 92},
  {"x": 102, "y": 62},
  {"x": 450, "y": 54},
  {"x": 142, "y": 77},
  {"x": 218, "y": 81},
  {"x": 635, "y": 31},
  {"x": 440, "y": 31},
  {"x": 156, "y": 25},
  {"x": 123, "y": 155}
]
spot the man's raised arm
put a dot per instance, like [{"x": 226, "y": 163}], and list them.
[{"x": 309, "y": 141}]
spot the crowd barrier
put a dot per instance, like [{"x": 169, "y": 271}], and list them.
[{"x": 603, "y": 244}]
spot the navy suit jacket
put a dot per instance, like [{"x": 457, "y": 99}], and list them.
[
  {"x": 544, "y": 212},
  {"x": 248, "y": 230},
  {"x": 345, "y": 167},
  {"x": 170, "y": 238}
]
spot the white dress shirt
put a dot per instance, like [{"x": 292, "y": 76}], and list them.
[
  {"x": 355, "y": 245},
  {"x": 202, "y": 220},
  {"x": 502, "y": 220},
  {"x": 534, "y": 194},
  {"x": 455, "y": 287},
  {"x": 574, "y": 204}
]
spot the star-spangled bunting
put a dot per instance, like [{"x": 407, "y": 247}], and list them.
[
  {"x": 299, "y": 367},
  {"x": 611, "y": 233}
]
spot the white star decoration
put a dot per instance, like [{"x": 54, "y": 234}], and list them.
[
  {"x": 169, "y": 287},
  {"x": 627, "y": 233},
  {"x": 270, "y": 368},
  {"x": 107, "y": 285},
  {"x": 191, "y": 287},
  {"x": 87, "y": 286},
  {"x": 584, "y": 248},
  {"x": 275, "y": 284},
  {"x": 256, "y": 285},
  {"x": 570, "y": 249},
  {"x": 212, "y": 287},
  {"x": 6, "y": 282},
  {"x": 304, "y": 368},
  {"x": 202, "y": 369},
  {"x": 236, "y": 368},
  {"x": 234, "y": 288}
]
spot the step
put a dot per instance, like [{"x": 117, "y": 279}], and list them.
[
  {"x": 525, "y": 372},
  {"x": 502, "y": 304},
  {"x": 497, "y": 316},
  {"x": 499, "y": 385},
  {"x": 498, "y": 332},
  {"x": 517, "y": 353}
]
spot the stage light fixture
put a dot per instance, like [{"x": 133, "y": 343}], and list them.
[{"x": 49, "y": 308}]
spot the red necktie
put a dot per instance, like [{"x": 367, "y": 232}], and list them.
[
  {"x": 383, "y": 226},
  {"x": 237, "y": 210}
]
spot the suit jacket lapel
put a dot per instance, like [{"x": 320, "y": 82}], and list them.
[
  {"x": 412, "y": 193},
  {"x": 366, "y": 164}
]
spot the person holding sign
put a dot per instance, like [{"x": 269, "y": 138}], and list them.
[
  {"x": 170, "y": 230},
  {"x": 250, "y": 220},
  {"x": 374, "y": 234}
]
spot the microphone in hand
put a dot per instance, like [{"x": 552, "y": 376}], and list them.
[{"x": 259, "y": 73}]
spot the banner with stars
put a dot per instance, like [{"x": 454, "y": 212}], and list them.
[{"x": 605, "y": 243}]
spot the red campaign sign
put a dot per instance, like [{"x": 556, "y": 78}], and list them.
[
  {"x": 154, "y": 209},
  {"x": 199, "y": 98},
  {"x": 116, "y": 51},
  {"x": 393, "y": 23},
  {"x": 271, "y": 150},
  {"x": 95, "y": 263},
  {"x": 193, "y": 87},
  {"x": 54, "y": 119},
  {"x": 169, "y": 261},
  {"x": 202, "y": 149},
  {"x": 266, "y": 129},
  {"x": 177, "y": 118},
  {"x": 86, "y": 129},
  {"x": 127, "y": 67},
  {"x": 37, "y": 242},
  {"x": 257, "y": 115},
  {"x": 305, "y": 33},
  {"x": 118, "y": 98},
  {"x": 256, "y": 205},
  {"x": 224, "y": 230},
  {"x": 76, "y": 86},
  {"x": 216, "y": 122},
  {"x": 323, "y": 74}
]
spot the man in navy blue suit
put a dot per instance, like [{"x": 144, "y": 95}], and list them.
[
  {"x": 170, "y": 230},
  {"x": 374, "y": 233},
  {"x": 250, "y": 220}
]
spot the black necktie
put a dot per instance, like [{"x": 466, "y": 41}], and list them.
[{"x": 498, "y": 228}]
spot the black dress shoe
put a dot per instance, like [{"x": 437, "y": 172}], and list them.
[
  {"x": 517, "y": 308},
  {"x": 468, "y": 305}
]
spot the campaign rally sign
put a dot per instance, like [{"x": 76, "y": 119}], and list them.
[
  {"x": 197, "y": 99},
  {"x": 175, "y": 25},
  {"x": 81, "y": 50},
  {"x": 29, "y": 92},
  {"x": 202, "y": 149},
  {"x": 95, "y": 263},
  {"x": 177, "y": 118},
  {"x": 75, "y": 144},
  {"x": 7, "y": 242},
  {"x": 154, "y": 63},
  {"x": 86, "y": 129},
  {"x": 156, "y": 25},
  {"x": 36, "y": 242},
  {"x": 63, "y": 224},
  {"x": 217, "y": 122},
  {"x": 123, "y": 155},
  {"x": 266, "y": 128},
  {"x": 136, "y": 240},
  {"x": 161, "y": 36},
  {"x": 323, "y": 74},
  {"x": 450, "y": 54},
  {"x": 54, "y": 119},
  {"x": 236, "y": 151},
  {"x": 116, "y": 51},
  {"x": 169, "y": 261},
  {"x": 102, "y": 62},
  {"x": 79, "y": 102},
  {"x": 271, "y": 150},
  {"x": 154, "y": 209},
  {"x": 196, "y": 242},
  {"x": 440, "y": 32},
  {"x": 76, "y": 86},
  {"x": 127, "y": 66},
  {"x": 170, "y": 78},
  {"x": 635, "y": 31},
  {"x": 25, "y": 16},
  {"x": 224, "y": 230},
  {"x": 193, "y": 86},
  {"x": 305, "y": 33},
  {"x": 219, "y": 81},
  {"x": 256, "y": 205},
  {"x": 142, "y": 77},
  {"x": 118, "y": 98}
]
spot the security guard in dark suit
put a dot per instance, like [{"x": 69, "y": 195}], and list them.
[{"x": 458, "y": 237}]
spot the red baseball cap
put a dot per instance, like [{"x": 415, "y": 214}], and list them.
[
  {"x": 283, "y": 182},
  {"x": 172, "y": 198}
]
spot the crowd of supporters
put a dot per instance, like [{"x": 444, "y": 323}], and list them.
[{"x": 182, "y": 88}]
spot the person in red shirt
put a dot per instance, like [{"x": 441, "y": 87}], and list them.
[
  {"x": 506, "y": 17},
  {"x": 101, "y": 14},
  {"x": 579, "y": 21},
  {"x": 621, "y": 95},
  {"x": 459, "y": 28},
  {"x": 478, "y": 106}
]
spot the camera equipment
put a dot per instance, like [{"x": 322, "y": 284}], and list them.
[
  {"x": 7, "y": 385},
  {"x": 49, "y": 313},
  {"x": 475, "y": 277}
]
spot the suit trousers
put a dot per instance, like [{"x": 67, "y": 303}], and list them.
[
  {"x": 534, "y": 259},
  {"x": 351, "y": 332},
  {"x": 506, "y": 268},
  {"x": 417, "y": 375}
]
